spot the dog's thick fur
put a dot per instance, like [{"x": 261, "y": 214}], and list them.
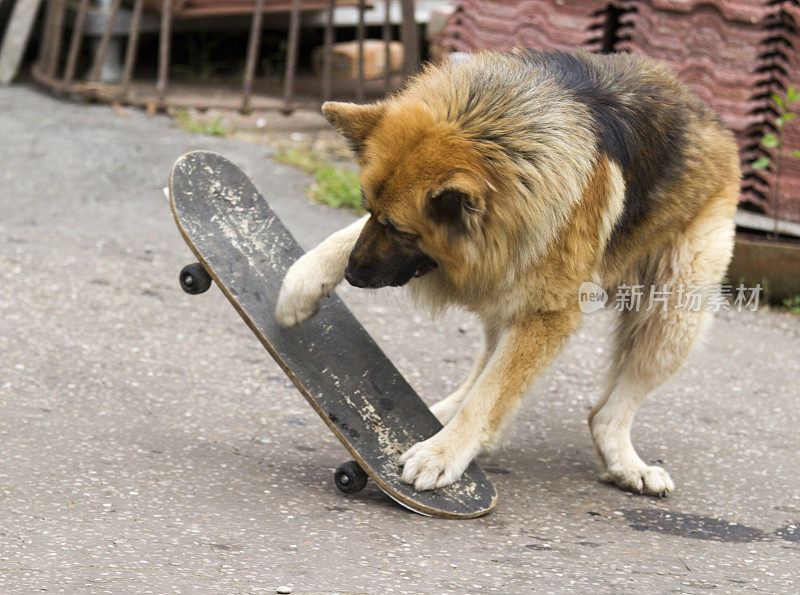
[{"x": 502, "y": 182}]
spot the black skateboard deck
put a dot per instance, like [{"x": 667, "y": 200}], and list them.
[{"x": 335, "y": 364}]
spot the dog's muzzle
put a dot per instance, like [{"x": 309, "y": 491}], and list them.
[{"x": 394, "y": 274}]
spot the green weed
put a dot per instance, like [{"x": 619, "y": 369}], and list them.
[
  {"x": 308, "y": 161},
  {"x": 213, "y": 127},
  {"x": 333, "y": 185},
  {"x": 775, "y": 141},
  {"x": 793, "y": 304}
]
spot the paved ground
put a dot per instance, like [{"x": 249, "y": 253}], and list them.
[{"x": 148, "y": 444}]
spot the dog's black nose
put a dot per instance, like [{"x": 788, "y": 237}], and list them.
[{"x": 354, "y": 280}]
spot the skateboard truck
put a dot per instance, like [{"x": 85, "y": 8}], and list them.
[{"x": 349, "y": 477}]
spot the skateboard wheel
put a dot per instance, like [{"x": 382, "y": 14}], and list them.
[
  {"x": 350, "y": 477},
  {"x": 194, "y": 278}
]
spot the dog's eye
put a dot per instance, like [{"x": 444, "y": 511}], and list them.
[{"x": 390, "y": 227}]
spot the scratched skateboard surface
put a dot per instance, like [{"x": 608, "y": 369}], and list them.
[{"x": 331, "y": 359}]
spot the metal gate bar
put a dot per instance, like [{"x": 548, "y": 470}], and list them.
[
  {"x": 387, "y": 49},
  {"x": 163, "y": 50},
  {"x": 49, "y": 61},
  {"x": 252, "y": 54},
  {"x": 360, "y": 33},
  {"x": 291, "y": 56},
  {"x": 327, "y": 60},
  {"x": 131, "y": 50},
  {"x": 75, "y": 43},
  {"x": 102, "y": 49},
  {"x": 57, "y": 33}
]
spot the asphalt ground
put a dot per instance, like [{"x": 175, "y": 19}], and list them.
[{"x": 149, "y": 444}]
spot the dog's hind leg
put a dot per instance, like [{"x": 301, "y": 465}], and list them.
[
  {"x": 315, "y": 275},
  {"x": 446, "y": 409},
  {"x": 653, "y": 342}
]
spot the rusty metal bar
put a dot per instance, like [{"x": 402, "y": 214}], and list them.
[
  {"x": 387, "y": 52},
  {"x": 252, "y": 54},
  {"x": 44, "y": 44},
  {"x": 102, "y": 49},
  {"x": 49, "y": 36},
  {"x": 51, "y": 82},
  {"x": 75, "y": 43},
  {"x": 291, "y": 56},
  {"x": 361, "y": 28},
  {"x": 131, "y": 49},
  {"x": 57, "y": 31},
  {"x": 110, "y": 95},
  {"x": 408, "y": 35},
  {"x": 327, "y": 57},
  {"x": 165, "y": 38}
]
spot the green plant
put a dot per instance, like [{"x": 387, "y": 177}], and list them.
[
  {"x": 212, "y": 127},
  {"x": 337, "y": 187},
  {"x": 775, "y": 141},
  {"x": 793, "y": 304},
  {"x": 333, "y": 185},
  {"x": 305, "y": 160}
]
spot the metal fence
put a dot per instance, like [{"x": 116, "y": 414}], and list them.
[{"x": 60, "y": 48}]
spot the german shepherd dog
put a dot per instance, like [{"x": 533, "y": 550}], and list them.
[{"x": 499, "y": 184}]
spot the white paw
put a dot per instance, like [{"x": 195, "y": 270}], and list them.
[
  {"x": 445, "y": 410},
  {"x": 305, "y": 284},
  {"x": 436, "y": 462},
  {"x": 642, "y": 479}
]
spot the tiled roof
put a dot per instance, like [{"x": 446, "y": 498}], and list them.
[{"x": 733, "y": 54}]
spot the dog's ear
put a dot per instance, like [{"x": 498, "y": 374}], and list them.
[
  {"x": 354, "y": 121},
  {"x": 457, "y": 208}
]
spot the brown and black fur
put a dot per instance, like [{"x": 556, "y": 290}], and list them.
[{"x": 503, "y": 182}]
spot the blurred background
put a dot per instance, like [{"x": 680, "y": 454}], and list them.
[{"x": 223, "y": 66}]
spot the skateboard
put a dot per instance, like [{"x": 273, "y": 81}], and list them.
[{"x": 340, "y": 370}]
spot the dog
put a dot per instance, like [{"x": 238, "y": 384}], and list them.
[{"x": 500, "y": 183}]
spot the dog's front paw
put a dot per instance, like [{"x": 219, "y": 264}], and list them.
[
  {"x": 303, "y": 287},
  {"x": 436, "y": 462},
  {"x": 644, "y": 479}
]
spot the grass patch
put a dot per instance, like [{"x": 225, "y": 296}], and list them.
[
  {"x": 333, "y": 185},
  {"x": 212, "y": 127},
  {"x": 308, "y": 161}
]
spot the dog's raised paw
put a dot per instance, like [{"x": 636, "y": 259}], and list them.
[
  {"x": 433, "y": 463},
  {"x": 648, "y": 480},
  {"x": 300, "y": 294}
]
